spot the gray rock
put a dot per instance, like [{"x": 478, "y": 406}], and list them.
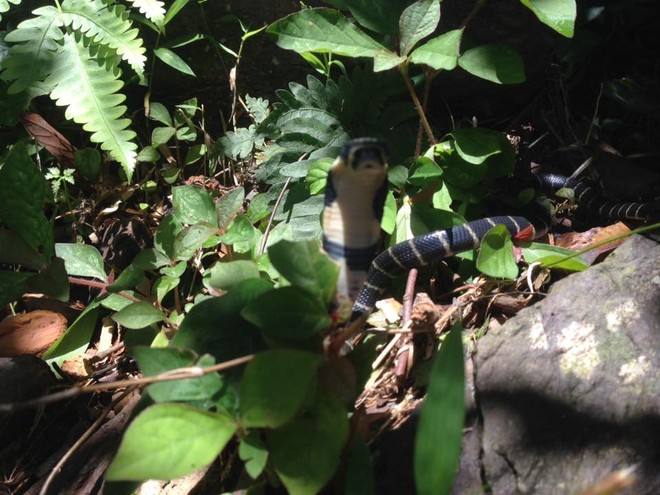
[{"x": 569, "y": 390}]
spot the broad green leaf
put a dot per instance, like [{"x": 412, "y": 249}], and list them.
[
  {"x": 81, "y": 260},
  {"x": 496, "y": 254},
  {"x": 158, "y": 111},
  {"x": 77, "y": 337},
  {"x": 225, "y": 275},
  {"x": 253, "y": 453},
  {"x": 258, "y": 107},
  {"x": 193, "y": 205},
  {"x": 241, "y": 234},
  {"x": 440, "y": 429},
  {"x": 88, "y": 163},
  {"x": 440, "y": 53},
  {"x": 555, "y": 256},
  {"x": 228, "y": 206},
  {"x": 167, "y": 441},
  {"x": 304, "y": 265},
  {"x": 128, "y": 279},
  {"x": 275, "y": 385},
  {"x": 375, "y": 15},
  {"x": 403, "y": 230},
  {"x": 190, "y": 240},
  {"x": 306, "y": 451},
  {"x": 151, "y": 259},
  {"x": 476, "y": 144},
  {"x": 52, "y": 281},
  {"x": 161, "y": 135},
  {"x": 12, "y": 285},
  {"x": 388, "y": 222},
  {"x": 115, "y": 302},
  {"x": 216, "y": 326},
  {"x": 558, "y": 14},
  {"x": 385, "y": 60},
  {"x": 323, "y": 30},
  {"x": 317, "y": 175},
  {"x": 138, "y": 315},
  {"x": 15, "y": 251},
  {"x": 424, "y": 172},
  {"x": 23, "y": 191},
  {"x": 307, "y": 130},
  {"x": 416, "y": 22},
  {"x": 288, "y": 314},
  {"x": 296, "y": 169},
  {"x": 154, "y": 361},
  {"x": 163, "y": 286},
  {"x": 496, "y": 63}
]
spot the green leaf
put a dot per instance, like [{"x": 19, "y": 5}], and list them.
[
  {"x": 496, "y": 254},
  {"x": 375, "y": 15},
  {"x": 192, "y": 239},
  {"x": 558, "y": 14},
  {"x": 216, "y": 326},
  {"x": 323, "y": 30},
  {"x": 83, "y": 83},
  {"x": 12, "y": 285},
  {"x": 496, "y": 63},
  {"x": 5, "y": 5},
  {"x": 15, "y": 251},
  {"x": 254, "y": 453},
  {"x": 555, "y": 256},
  {"x": 158, "y": 111},
  {"x": 225, "y": 275},
  {"x": 385, "y": 60},
  {"x": 288, "y": 313},
  {"x": 161, "y": 135},
  {"x": 258, "y": 107},
  {"x": 440, "y": 53},
  {"x": 138, "y": 315},
  {"x": 309, "y": 129},
  {"x": 23, "y": 191},
  {"x": 81, "y": 260},
  {"x": 88, "y": 163},
  {"x": 416, "y": 22},
  {"x": 151, "y": 9},
  {"x": 306, "y": 451},
  {"x": 440, "y": 429},
  {"x": 240, "y": 233},
  {"x": 154, "y": 361},
  {"x": 107, "y": 24},
  {"x": 173, "y": 60},
  {"x": 30, "y": 59},
  {"x": 274, "y": 386},
  {"x": 228, "y": 206},
  {"x": 240, "y": 143},
  {"x": 304, "y": 265},
  {"x": 77, "y": 337},
  {"x": 388, "y": 222},
  {"x": 424, "y": 172},
  {"x": 168, "y": 441},
  {"x": 317, "y": 175},
  {"x": 476, "y": 144},
  {"x": 193, "y": 205},
  {"x": 128, "y": 279}
]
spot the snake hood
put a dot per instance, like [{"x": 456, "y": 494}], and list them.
[{"x": 354, "y": 198}]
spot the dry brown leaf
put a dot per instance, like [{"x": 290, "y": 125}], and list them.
[
  {"x": 48, "y": 137},
  {"x": 30, "y": 333}
]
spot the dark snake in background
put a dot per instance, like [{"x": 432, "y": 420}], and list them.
[{"x": 354, "y": 201}]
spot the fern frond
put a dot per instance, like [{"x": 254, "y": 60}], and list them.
[
  {"x": 4, "y": 5},
  {"x": 84, "y": 84},
  {"x": 30, "y": 60},
  {"x": 108, "y": 25},
  {"x": 151, "y": 9}
]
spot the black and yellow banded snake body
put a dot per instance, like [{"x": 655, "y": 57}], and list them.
[{"x": 354, "y": 200}]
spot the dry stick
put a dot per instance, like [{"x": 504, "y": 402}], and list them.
[
  {"x": 406, "y": 355},
  {"x": 175, "y": 374},
  {"x": 84, "y": 437},
  {"x": 418, "y": 105}
]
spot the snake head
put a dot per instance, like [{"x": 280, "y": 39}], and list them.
[{"x": 364, "y": 153}]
